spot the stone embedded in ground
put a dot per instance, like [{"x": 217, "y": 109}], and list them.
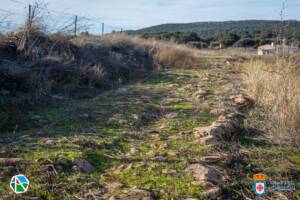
[
  {"x": 49, "y": 143},
  {"x": 201, "y": 93},
  {"x": 134, "y": 194},
  {"x": 232, "y": 116},
  {"x": 169, "y": 171},
  {"x": 84, "y": 165},
  {"x": 171, "y": 115},
  {"x": 155, "y": 137},
  {"x": 241, "y": 100},
  {"x": 218, "y": 111},
  {"x": 217, "y": 131},
  {"x": 212, "y": 193},
  {"x": 220, "y": 129},
  {"x": 215, "y": 158},
  {"x": 205, "y": 140},
  {"x": 224, "y": 128},
  {"x": 180, "y": 135},
  {"x": 201, "y": 132},
  {"x": 205, "y": 173}
]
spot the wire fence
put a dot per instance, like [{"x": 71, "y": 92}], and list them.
[{"x": 52, "y": 21}]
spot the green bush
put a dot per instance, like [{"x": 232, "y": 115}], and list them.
[
  {"x": 246, "y": 42},
  {"x": 198, "y": 45}
]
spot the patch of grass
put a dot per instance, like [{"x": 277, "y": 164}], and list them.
[
  {"x": 150, "y": 178},
  {"x": 181, "y": 105},
  {"x": 99, "y": 160},
  {"x": 257, "y": 119},
  {"x": 103, "y": 129}
]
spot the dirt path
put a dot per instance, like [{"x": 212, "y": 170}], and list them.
[{"x": 148, "y": 140}]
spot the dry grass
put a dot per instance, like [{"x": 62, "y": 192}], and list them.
[
  {"x": 169, "y": 54},
  {"x": 275, "y": 84},
  {"x": 228, "y": 52},
  {"x": 61, "y": 65},
  {"x": 164, "y": 53}
]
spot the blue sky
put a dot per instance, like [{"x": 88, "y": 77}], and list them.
[{"x": 133, "y": 14}]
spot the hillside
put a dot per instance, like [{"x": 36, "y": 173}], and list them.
[{"x": 251, "y": 26}]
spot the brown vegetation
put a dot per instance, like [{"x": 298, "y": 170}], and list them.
[
  {"x": 275, "y": 84},
  {"x": 37, "y": 69},
  {"x": 164, "y": 53}
]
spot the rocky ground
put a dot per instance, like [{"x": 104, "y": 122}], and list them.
[{"x": 178, "y": 134}]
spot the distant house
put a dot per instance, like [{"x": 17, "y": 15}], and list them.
[
  {"x": 216, "y": 45},
  {"x": 273, "y": 49},
  {"x": 266, "y": 49}
]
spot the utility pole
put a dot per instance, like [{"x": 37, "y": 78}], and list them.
[
  {"x": 75, "y": 28},
  {"x": 102, "y": 29}
]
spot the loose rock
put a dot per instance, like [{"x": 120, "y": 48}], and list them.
[
  {"x": 241, "y": 100},
  {"x": 220, "y": 111},
  {"x": 171, "y": 115},
  {"x": 84, "y": 166},
  {"x": 204, "y": 173},
  {"x": 201, "y": 93},
  {"x": 212, "y": 193},
  {"x": 202, "y": 132}
]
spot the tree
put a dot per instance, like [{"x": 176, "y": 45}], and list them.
[
  {"x": 227, "y": 39},
  {"x": 246, "y": 42}
]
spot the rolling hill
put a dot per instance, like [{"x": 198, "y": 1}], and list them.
[{"x": 251, "y": 26}]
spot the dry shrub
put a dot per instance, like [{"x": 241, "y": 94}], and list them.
[
  {"x": 173, "y": 55},
  {"x": 228, "y": 52},
  {"x": 275, "y": 84},
  {"x": 164, "y": 53},
  {"x": 93, "y": 76},
  {"x": 57, "y": 65}
]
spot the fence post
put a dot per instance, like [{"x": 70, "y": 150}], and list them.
[
  {"x": 102, "y": 29},
  {"x": 29, "y": 16},
  {"x": 75, "y": 28}
]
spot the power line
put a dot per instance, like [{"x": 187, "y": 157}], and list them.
[
  {"x": 19, "y": 2},
  {"x": 51, "y": 10},
  {"x": 11, "y": 12},
  {"x": 90, "y": 22}
]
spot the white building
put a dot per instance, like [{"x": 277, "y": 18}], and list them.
[{"x": 273, "y": 49}]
